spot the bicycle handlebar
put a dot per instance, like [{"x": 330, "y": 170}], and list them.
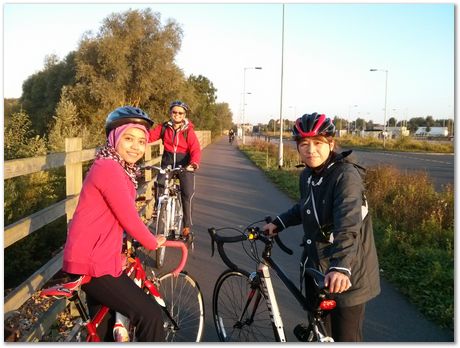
[
  {"x": 164, "y": 170},
  {"x": 183, "y": 261}
]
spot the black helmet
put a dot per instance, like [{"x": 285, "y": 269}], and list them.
[
  {"x": 179, "y": 103},
  {"x": 313, "y": 125},
  {"x": 124, "y": 115}
]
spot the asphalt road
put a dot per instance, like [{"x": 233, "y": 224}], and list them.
[{"x": 231, "y": 191}]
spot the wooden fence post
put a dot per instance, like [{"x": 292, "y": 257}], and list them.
[{"x": 73, "y": 172}]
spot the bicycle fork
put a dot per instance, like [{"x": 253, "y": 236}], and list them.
[{"x": 269, "y": 293}]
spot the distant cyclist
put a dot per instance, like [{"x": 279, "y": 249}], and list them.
[
  {"x": 105, "y": 209},
  {"x": 231, "y": 135},
  {"x": 338, "y": 236},
  {"x": 181, "y": 148}
]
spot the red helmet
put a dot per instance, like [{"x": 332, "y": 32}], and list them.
[{"x": 311, "y": 125}]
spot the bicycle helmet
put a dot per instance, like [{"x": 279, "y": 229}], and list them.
[
  {"x": 179, "y": 103},
  {"x": 127, "y": 114},
  {"x": 311, "y": 125}
]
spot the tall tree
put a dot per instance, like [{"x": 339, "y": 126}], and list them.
[
  {"x": 204, "y": 107},
  {"x": 41, "y": 91},
  {"x": 129, "y": 61},
  {"x": 67, "y": 125}
]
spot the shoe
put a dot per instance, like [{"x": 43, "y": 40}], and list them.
[
  {"x": 187, "y": 235},
  {"x": 185, "y": 232}
]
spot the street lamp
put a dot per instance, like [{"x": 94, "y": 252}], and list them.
[
  {"x": 280, "y": 147},
  {"x": 385, "y": 113},
  {"x": 244, "y": 92}
]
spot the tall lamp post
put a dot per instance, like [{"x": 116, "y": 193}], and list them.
[
  {"x": 280, "y": 147},
  {"x": 385, "y": 110},
  {"x": 244, "y": 93}
]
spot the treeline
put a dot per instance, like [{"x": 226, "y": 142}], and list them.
[
  {"x": 361, "y": 124},
  {"x": 129, "y": 61}
]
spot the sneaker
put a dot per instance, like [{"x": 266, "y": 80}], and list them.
[{"x": 185, "y": 232}]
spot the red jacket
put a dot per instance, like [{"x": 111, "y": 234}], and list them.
[
  {"x": 178, "y": 148},
  {"x": 105, "y": 208}
]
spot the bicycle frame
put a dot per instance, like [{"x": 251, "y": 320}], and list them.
[
  {"x": 135, "y": 267},
  {"x": 262, "y": 276}
]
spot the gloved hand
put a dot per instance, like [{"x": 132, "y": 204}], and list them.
[{"x": 191, "y": 167}]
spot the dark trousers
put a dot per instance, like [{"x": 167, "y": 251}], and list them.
[
  {"x": 187, "y": 186},
  {"x": 122, "y": 295},
  {"x": 346, "y": 323}
]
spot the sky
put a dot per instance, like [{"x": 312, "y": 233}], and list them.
[{"x": 321, "y": 64}]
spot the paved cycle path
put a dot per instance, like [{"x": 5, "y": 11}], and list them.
[{"x": 232, "y": 192}]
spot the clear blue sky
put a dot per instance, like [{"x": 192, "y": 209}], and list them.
[{"x": 328, "y": 51}]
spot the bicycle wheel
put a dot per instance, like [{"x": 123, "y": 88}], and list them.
[
  {"x": 184, "y": 304},
  {"x": 240, "y": 310},
  {"x": 162, "y": 229}
]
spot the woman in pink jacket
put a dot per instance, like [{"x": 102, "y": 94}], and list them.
[{"x": 105, "y": 209}]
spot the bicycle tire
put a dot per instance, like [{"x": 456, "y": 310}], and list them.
[
  {"x": 230, "y": 297},
  {"x": 184, "y": 302},
  {"x": 162, "y": 229}
]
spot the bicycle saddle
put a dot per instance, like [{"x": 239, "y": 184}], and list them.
[
  {"x": 66, "y": 289},
  {"x": 317, "y": 276}
]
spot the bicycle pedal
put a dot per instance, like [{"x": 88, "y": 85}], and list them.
[{"x": 302, "y": 332}]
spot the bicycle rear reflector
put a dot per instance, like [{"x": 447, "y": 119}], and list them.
[{"x": 327, "y": 305}]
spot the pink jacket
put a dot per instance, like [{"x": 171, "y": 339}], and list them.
[{"x": 105, "y": 208}]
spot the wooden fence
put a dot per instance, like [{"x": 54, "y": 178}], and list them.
[{"x": 73, "y": 159}]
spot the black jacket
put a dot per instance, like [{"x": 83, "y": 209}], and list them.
[{"x": 338, "y": 232}]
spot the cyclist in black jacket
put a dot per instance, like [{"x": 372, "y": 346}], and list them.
[{"x": 338, "y": 236}]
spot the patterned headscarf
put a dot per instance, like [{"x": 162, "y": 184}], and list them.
[{"x": 109, "y": 152}]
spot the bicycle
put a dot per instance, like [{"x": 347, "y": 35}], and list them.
[
  {"x": 168, "y": 211},
  {"x": 244, "y": 303},
  {"x": 177, "y": 293}
]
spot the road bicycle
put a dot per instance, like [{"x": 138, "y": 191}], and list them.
[
  {"x": 177, "y": 293},
  {"x": 168, "y": 209},
  {"x": 244, "y": 304}
]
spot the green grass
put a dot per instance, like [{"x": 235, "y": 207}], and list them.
[{"x": 413, "y": 227}]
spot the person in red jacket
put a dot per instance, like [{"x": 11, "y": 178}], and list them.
[
  {"x": 106, "y": 208},
  {"x": 181, "y": 148}
]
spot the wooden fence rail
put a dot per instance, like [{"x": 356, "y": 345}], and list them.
[{"x": 73, "y": 159}]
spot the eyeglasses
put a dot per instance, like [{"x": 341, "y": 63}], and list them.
[{"x": 177, "y": 113}]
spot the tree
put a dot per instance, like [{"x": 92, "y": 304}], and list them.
[
  {"x": 67, "y": 125},
  {"x": 416, "y": 122},
  {"x": 130, "y": 61},
  {"x": 203, "y": 108},
  {"x": 370, "y": 125},
  {"x": 41, "y": 91},
  {"x": 392, "y": 121},
  {"x": 360, "y": 123}
]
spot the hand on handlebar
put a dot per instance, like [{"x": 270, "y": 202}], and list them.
[
  {"x": 191, "y": 167},
  {"x": 160, "y": 240},
  {"x": 270, "y": 230}
]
